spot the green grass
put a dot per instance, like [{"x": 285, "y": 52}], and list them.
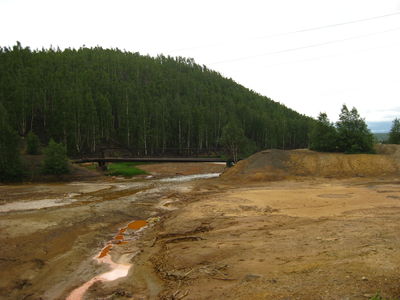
[
  {"x": 379, "y": 297},
  {"x": 126, "y": 169},
  {"x": 92, "y": 166}
]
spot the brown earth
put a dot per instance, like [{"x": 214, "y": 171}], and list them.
[
  {"x": 279, "y": 164},
  {"x": 250, "y": 236},
  {"x": 313, "y": 239},
  {"x": 242, "y": 236}
]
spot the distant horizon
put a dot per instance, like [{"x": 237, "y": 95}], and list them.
[{"x": 380, "y": 127}]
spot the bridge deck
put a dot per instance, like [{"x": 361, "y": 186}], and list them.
[{"x": 148, "y": 159}]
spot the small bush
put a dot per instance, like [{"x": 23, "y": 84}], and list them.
[
  {"x": 55, "y": 160},
  {"x": 33, "y": 144}
]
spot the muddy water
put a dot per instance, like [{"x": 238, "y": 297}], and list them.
[{"x": 58, "y": 239}]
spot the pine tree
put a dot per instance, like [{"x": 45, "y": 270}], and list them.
[
  {"x": 353, "y": 133},
  {"x": 394, "y": 135},
  {"x": 323, "y": 136},
  {"x": 10, "y": 163}
]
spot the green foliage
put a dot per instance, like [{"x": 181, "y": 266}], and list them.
[
  {"x": 126, "y": 169},
  {"x": 233, "y": 139},
  {"x": 353, "y": 133},
  {"x": 323, "y": 135},
  {"x": 394, "y": 135},
  {"x": 10, "y": 162},
  {"x": 95, "y": 97},
  {"x": 32, "y": 144},
  {"x": 55, "y": 160},
  {"x": 381, "y": 137}
]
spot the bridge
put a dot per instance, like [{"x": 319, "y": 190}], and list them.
[{"x": 103, "y": 160}]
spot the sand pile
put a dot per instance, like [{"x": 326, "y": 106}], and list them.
[{"x": 280, "y": 164}]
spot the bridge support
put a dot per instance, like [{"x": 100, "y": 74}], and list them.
[
  {"x": 102, "y": 165},
  {"x": 230, "y": 163}
]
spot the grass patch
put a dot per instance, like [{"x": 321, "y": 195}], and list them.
[
  {"x": 90, "y": 166},
  {"x": 379, "y": 297},
  {"x": 126, "y": 169}
]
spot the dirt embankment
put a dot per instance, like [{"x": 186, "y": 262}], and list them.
[{"x": 279, "y": 164}]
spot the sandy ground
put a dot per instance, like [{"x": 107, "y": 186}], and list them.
[
  {"x": 314, "y": 239},
  {"x": 291, "y": 239}
]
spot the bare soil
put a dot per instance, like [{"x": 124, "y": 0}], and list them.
[
  {"x": 313, "y": 239},
  {"x": 303, "y": 236}
]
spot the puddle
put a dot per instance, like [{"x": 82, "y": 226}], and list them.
[
  {"x": 135, "y": 225},
  {"x": 117, "y": 269},
  {"x": 35, "y": 204},
  {"x": 89, "y": 187},
  {"x": 83, "y": 187},
  {"x": 185, "y": 178}
]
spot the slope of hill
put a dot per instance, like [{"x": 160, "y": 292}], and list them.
[
  {"x": 279, "y": 164},
  {"x": 90, "y": 97}
]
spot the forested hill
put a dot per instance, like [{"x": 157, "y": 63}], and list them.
[{"x": 88, "y": 98}]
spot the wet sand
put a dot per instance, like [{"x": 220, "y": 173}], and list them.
[{"x": 51, "y": 232}]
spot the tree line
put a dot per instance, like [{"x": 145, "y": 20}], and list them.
[
  {"x": 350, "y": 134},
  {"x": 88, "y": 98}
]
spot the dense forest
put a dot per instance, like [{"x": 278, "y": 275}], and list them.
[{"x": 90, "y": 98}]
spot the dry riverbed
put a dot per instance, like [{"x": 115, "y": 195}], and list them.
[
  {"x": 204, "y": 239},
  {"x": 50, "y": 233}
]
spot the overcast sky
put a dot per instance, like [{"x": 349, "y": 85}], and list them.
[{"x": 284, "y": 49}]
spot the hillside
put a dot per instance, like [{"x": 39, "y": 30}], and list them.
[{"x": 91, "y": 98}]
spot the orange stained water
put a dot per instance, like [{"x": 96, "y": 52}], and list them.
[
  {"x": 105, "y": 251},
  {"x": 117, "y": 270},
  {"x": 137, "y": 224}
]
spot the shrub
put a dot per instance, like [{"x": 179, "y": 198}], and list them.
[{"x": 55, "y": 160}]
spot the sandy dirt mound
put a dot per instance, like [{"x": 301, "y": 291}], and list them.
[{"x": 280, "y": 164}]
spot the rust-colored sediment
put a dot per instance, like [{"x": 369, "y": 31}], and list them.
[
  {"x": 119, "y": 238},
  {"x": 105, "y": 251},
  {"x": 137, "y": 224}
]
